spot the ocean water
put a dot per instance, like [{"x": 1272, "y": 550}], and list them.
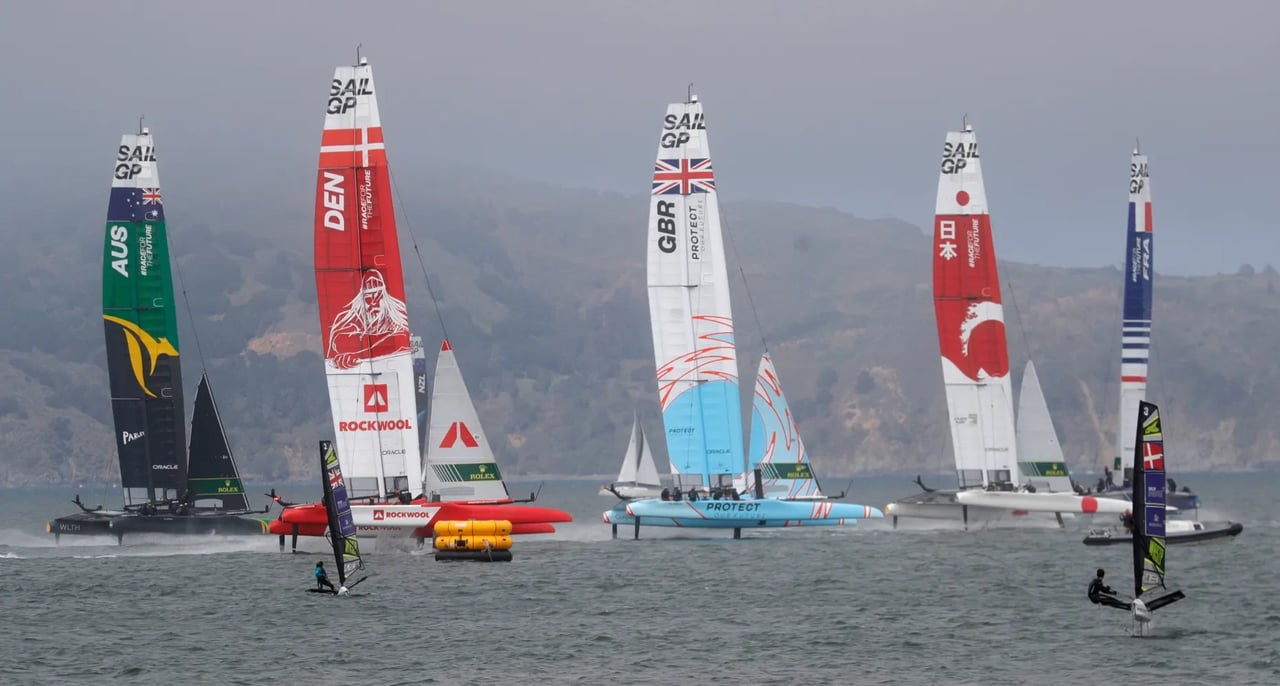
[{"x": 866, "y": 604}]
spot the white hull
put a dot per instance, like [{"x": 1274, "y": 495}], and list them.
[{"x": 1043, "y": 502}]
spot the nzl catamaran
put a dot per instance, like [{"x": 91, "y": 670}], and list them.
[
  {"x": 697, "y": 366},
  {"x": 164, "y": 491},
  {"x": 364, "y": 326},
  {"x": 993, "y": 479}
]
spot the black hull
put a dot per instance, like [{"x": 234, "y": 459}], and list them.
[
  {"x": 82, "y": 524},
  {"x": 119, "y": 524},
  {"x": 473, "y": 555},
  {"x": 1233, "y": 529}
]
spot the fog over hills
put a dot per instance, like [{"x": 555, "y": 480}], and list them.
[{"x": 542, "y": 291}]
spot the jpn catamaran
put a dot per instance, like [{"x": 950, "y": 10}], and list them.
[
  {"x": 696, "y": 357},
  {"x": 975, "y": 362},
  {"x": 1149, "y": 496},
  {"x": 164, "y": 492},
  {"x": 638, "y": 476},
  {"x": 364, "y": 327}
]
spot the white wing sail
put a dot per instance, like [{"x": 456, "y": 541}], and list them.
[{"x": 460, "y": 463}]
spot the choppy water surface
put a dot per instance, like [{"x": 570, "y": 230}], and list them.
[{"x": 851, "y": 605}]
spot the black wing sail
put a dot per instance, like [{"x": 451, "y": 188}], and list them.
[
  {"x": 212, "y": 474},
  {"x": 1149, "y": 508},
  {"x": 342, "y": 528}
]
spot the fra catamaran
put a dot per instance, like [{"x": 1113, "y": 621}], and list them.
[
  {"x": 697, "y": 363},
  {"x": 163, "y": 491},
  {"x": 365, "y": 334}
]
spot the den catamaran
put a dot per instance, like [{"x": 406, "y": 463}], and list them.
[
  {"x": 695, "y": 354},
  {"x": 163, "y": 493},
  {"x": 1149, "y": 496},
  {"x": 975, "y": 358},
  {"x": 364, "y": 325}
]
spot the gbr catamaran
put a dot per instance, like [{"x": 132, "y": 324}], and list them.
[
  {"x": 364, "y": 326},
  {"x": 696, "y": 357},
  {"x": 975, "y": 360},
  {"x": 164, "y": 491}
]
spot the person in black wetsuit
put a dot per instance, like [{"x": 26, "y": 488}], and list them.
[
  {"x": 322, "y": 579},
  {"x": 1101, "y": 594}
]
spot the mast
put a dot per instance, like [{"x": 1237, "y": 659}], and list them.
[
  {"x": 141, "y": 329},
  {"x": 1135, "y": 337},
  {"x": 971, "y": 331},
  {"x": 689, "y": 309},
  {"x": 364, "y": 322}
]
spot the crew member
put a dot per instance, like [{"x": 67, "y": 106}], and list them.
[
  {"x": 1101, "y": 594},
  {"x": 322, "y": 579},
  {"x": 666, "y": 494}
]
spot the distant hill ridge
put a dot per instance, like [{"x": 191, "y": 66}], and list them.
[{"x": 543, "y": 293}]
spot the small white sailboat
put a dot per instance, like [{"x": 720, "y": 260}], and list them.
[{"x": 638, "y": 477}]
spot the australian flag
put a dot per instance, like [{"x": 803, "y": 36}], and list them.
[{"x": 135, "y": 205}]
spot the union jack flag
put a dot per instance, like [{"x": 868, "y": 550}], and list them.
[
  {"x": 335, "y": 478},
  {"x": 151, "y": 196},
  {"x": 683, "y": 176},
  {"x": 1153, "y": 456}
]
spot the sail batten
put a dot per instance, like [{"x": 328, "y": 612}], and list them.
[
  {"x": 141, "y": 330},
  {"x": 970, "y": 317},
  {"x": 689, "y": 309},
  {"x": 1135, "y": 336},
  {"x": 363, "y": 317}
]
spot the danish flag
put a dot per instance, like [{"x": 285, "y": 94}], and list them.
[
  {"x": 1153, "y": 456},
  {"x": 458, "y": 431},
  {"x": 375, "y": 398}
]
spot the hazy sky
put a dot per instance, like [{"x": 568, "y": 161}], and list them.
[{"x": 821, "y": 103}]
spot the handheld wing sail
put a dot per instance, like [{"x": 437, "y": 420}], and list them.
[
  {"x": 364, "y": 323},
  {"x": 142, "y": 331},
  {"x": 1148, "y": 502},
  {"x": 342, "y": 529},
  {"x": 689, "y": 310},
  {"x": 1135, "y": 337},
  {"x": 971, "y": 332}
]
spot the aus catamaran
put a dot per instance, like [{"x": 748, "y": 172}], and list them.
[
  {"x": 697, "y": 363},
  {"x": 164, "y": 491},
  {"x": 364, "y": 326},
  {"x": 975, "y": 363}
]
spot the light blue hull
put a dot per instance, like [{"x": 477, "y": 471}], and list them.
[{"x": 738, "y": 514}]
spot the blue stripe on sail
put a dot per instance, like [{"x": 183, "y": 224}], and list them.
[
  {"x": 1136, "y": 346},
  {"x": 1133, "y": 360},
  {"x": 704, "y": 430},
  {"x": 1137, "y": 274}
]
